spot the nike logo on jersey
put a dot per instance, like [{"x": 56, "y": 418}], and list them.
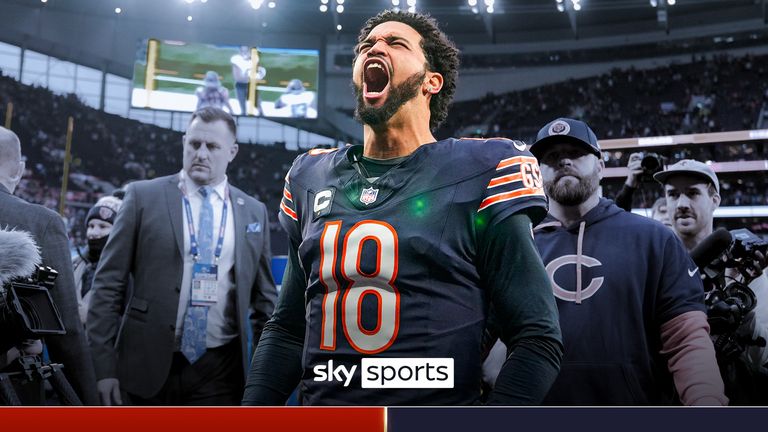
[
  {"x": 519, "y": 145},
  {"x": 693, "y": 272}
]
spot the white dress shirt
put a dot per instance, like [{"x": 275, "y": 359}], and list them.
[{"x": 222, "y": 316}]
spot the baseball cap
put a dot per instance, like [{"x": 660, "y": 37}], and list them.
[
  {"x": 691, "y": 167},
  {"x": 565, "y": 130}
]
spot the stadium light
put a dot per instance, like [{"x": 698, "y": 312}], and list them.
[
  {"x": 118, "y": 10},
  {"x": 44, "y": 1},
  {"x": 560, "y": 7},
  {"x": 472, "y": 3},
  {"x": 189, "y": 1},
  {"x": 489, "y": 9},
  {"x": 256, "y": 3},
  {"x": 575, "y": 5},
  {"x": 189, "y": 18},
  {"x": 412, "y": 9},
  {"x": 324, "y": 1},
  {"x": 395, "y": 2},
  {"x": 323, "y": 8},
  {"x": 341, "y": 2},
  {"x": 340, "y": 8},
  {"x": 671, "y": 2},
  {"x": 203, "y": 1},
  {"x": 271, "y": 5},
  {"x": 654, "y": 3},
  {"x": 475, "y": 10},
  {"x": 412, "y": 4},
  {"x": 338, "y": 27}
]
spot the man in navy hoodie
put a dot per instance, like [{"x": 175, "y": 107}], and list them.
[{"x": 632, "y": 314}]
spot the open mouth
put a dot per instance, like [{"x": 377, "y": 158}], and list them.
[{"x": 375, "y": 80}]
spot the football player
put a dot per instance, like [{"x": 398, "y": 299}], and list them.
[{"x": 400, "y": 247}]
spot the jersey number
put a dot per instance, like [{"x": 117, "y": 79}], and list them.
[{"x": 379, "y": 283}]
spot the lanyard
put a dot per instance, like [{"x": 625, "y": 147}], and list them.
[{"x": 193, "y": 250}]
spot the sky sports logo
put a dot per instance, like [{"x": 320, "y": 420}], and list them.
[{"x": 402, "y": 373}]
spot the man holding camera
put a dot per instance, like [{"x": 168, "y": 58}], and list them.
[
  {"x": 692, "y": 192},
  {"x": 47, "y": 228},
  {"x": 641, "y": 167},
  {"x": 632, "y": 318}
]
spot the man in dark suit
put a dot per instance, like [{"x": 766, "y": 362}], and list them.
[
  {"x": 48, "y": 231},
  {"x": 198, "y": 251}
]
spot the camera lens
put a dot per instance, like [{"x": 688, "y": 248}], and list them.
[{"x": 651, "y": 163}]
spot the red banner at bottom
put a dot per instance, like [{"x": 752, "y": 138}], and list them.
[{"x": 193, "y": 419}]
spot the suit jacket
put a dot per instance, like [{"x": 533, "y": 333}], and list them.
[
  {"x": 147, "y": 242},
  {"x": 47, "y": 228}
]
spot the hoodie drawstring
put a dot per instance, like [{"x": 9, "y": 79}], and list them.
[{"x": 579, "y": 245}]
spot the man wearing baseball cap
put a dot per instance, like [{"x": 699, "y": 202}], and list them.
[
  {"x": 633, "y": 320},
  {"x": 692, "y": 192}
]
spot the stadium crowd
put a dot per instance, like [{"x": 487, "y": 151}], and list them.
[
  {"x": 721, "y": 95},
  {"x": 109, "y": 151},
  {"x": 710, "y": 94}
]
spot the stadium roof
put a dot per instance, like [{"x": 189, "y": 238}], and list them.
[{"x": 511, "y": 20}]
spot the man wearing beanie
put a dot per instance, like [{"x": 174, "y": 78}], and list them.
[{"x": 98, "y": 224}]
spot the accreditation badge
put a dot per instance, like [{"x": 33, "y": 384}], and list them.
[{"x": 204, "y": 284}]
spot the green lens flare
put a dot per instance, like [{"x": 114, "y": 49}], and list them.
[
  {"x": 420, "y": 208},
  {"x": 480, "y": 220}
]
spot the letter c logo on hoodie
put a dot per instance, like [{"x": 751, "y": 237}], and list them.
[{"x": 578, "y": 294}]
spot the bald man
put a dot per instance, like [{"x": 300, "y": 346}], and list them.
[{"x": 48, "y": 230}]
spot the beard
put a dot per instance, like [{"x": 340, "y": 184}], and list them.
[
  {"x": 398, "y": 96},
  {"x": 569, "y": 194}
]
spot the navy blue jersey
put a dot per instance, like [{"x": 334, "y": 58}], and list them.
[
  {"x": 617, "y": 278},
  {"x": 390, "y": 265}
]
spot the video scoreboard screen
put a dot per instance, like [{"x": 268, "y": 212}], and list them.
[{"x": 253, "y": 81}]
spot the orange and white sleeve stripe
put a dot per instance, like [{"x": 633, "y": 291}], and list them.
[
  {"x": 286, "y": 204},
  {"x": 516, "y": 177}
]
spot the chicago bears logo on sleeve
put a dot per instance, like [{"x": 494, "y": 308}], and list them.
[
  {"x": 516, "y": 177},
  {"x": 519, "y": 145}
]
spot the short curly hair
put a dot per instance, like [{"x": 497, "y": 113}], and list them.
[{"x": 441, "y": 54}]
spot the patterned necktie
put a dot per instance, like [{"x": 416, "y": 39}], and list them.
[{"x": 193, "y": 338}]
